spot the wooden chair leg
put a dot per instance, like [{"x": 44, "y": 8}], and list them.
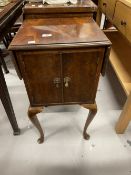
[
  {"x": 92, "y": 112},
  {"x": 5, "y": 42},
  {"x": 6, "y": 101},
  {"x": 3, "y": 63},
  {"x": 32, "y": 111},
  {"x": 125, "y": 117}
]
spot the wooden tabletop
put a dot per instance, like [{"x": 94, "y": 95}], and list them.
[
  {"x": 82, "y": 6},
  {"x": 56, "y": 32}
]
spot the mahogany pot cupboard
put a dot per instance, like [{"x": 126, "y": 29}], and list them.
[{"x": 60, "y": 61}]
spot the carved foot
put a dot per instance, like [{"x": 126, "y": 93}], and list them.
[
  {"x": 86, "y": 136},
  {"x": 32, "y": 111},
  {"x": 92, "y": 112}
]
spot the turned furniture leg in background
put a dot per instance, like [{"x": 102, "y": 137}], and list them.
[
  {"x": 5, "y": 99},
  {"x": 3, "y": 62},
  {"x": 32, "y": 111},
  {"x": 92, "y": 112},
  {"x": 125, "y": 117}
]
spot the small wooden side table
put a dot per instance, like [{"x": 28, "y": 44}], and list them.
[{"x": 60, "y": 61}]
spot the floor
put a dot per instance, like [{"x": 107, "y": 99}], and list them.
[{"x": 64, "y": 152}]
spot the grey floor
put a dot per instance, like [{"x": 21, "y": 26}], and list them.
[{"x": 64, "y": 151}]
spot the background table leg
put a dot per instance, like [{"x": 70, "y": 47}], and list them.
[
  {"x": 5, "y": 98},
  {"x": 125, "y": 117}
]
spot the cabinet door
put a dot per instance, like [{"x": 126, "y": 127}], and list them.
[
  {"x": 42, "y": 76},
  {"x": 81, "y": 73}
]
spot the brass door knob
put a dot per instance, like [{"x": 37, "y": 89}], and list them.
[
  {"x": 66, "y": 81},
  {"x": 123, "y": 23},
  {"x": 57, "y": 82},
  {"x": 104, "y": 4}
]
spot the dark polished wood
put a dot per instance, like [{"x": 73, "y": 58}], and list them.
[
  {"x": 3, "y": 62},
  {"x": 32, "y": 111},
  {"x": 76, "y": 63},
  {"x": 95, "y": 1},
  {"x": 8, "y": 16},
  {"x": 92, "y": 112},
  {"x": 58, "y": 33},
  {"x": 60, "y": 61},
  {"x": 39, "y": 10},
  {"x": 5, "y": 99},
  {"x": 95, "y": 13}
]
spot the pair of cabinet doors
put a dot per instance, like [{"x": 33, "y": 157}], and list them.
[{"x": 63, "y": 77}]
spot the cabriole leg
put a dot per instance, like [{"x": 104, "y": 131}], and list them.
[
  {"x": 92, "y": 112},
  {"x": 32, "y": 111}
]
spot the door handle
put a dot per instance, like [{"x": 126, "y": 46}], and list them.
[
  {"x": 123, "y": 23},
  {"x": 104, "y": 4},
  {"x": 57, "y": 82},
  {"x": 66, "y": 81}
]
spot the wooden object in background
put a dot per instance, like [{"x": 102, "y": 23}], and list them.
[
  {"x": 8, "y": 16},
  {"x": 38, "y": 10},
  {"x": 3, "y": 62},
  {"x": 125, "y": 116},
  {"x": 106, "y": 7},
  {"x": 5, "y": 99},
  {"x": 60, "y": 60},
  {"x": 118, "y": 12},
  {"x": 121, "y": 63},
  {"x": 95, "y": 1},
  {"x": 120, "y": 58},
  {"x": 122, "y": 18}
]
